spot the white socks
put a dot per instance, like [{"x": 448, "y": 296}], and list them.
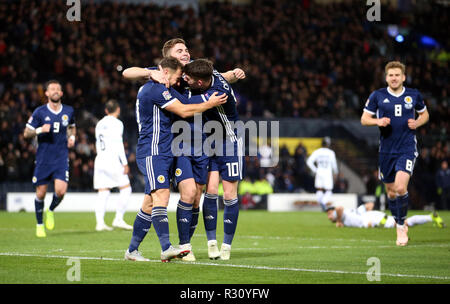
[
  {"x": 100, "y": 206},
  {"x": 122, "y": 203}
]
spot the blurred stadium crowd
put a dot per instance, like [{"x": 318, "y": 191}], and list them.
[{"x": 301, "y": 59}]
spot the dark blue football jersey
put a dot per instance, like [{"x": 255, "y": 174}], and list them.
[
  {"x": 397, "y": 137},
  {"x": 154, "y": 123},
  {"x": 52, "y": 146},
  {"x": 226, "y": 113}
]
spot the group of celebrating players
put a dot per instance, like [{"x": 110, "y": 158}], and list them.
[{"x": 177, "y": 90}]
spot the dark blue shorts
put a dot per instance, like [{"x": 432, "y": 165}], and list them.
[
  {"x": 390, "y": 164},
  {"x": 157, "y": 171},
  {"x": 43, "y": 174},
  {"x": 195, "y": 167},
  {"x": 229, "y": 165}
]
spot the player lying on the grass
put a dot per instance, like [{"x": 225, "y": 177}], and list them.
[
  {"x": 154, "y": 107},
  {"x": 190, "y": 170},
  {"x": 54, "y": 126},
  {"x": 365, "y": 217}
]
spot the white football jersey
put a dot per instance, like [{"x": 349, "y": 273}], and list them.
[
  {"x": 109, "y": 143},
  {"x": 323, "y": 163}
]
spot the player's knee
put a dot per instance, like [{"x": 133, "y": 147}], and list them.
[
  {"x": 400, "y": 189},
  {"x": 188, "y": 195}
]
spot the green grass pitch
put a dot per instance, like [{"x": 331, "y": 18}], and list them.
[{"x": 269, "y": 248}]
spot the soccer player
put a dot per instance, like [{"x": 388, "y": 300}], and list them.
[
  {"x": 190, "y": 173},
  {"x": 322, "y": 163},
  {"x": 372, "y": 218},
  {"x": 394, "y": 108},
  {"x": 54, "y": 126},
  {"x": 154, "y": 155},
  {"x": 175, "y": 48},
  {"x": 227, "y": 161},
  {"x": 111, "y": 167}
]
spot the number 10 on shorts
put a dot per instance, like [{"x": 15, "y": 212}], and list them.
[{"x": 233, "y": 169}]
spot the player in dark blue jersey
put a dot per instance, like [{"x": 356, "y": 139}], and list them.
[
  {"x": 190, "y": 170},
  {"x": 227, "y": 161},
  {"x": 395, "y": 110},
  {"x": 54, "y": 126},
  {"x": 154, "y": 157}
]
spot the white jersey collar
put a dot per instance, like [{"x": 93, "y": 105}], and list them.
[
  {"x": 53, "y": 111},
  {"x": 396, "y": 95}
]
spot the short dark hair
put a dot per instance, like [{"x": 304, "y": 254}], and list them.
[
  {"x": 51, "y": 81},
  {"x": 199, "y": 69},
  {"x": 170, "y": 44},
  {"x": 111, "y": 106},
  {"x": 171, "y": 63}
]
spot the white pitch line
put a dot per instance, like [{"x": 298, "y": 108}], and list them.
[{"x": 231, "y": 265}]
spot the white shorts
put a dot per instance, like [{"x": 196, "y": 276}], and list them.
[
  {"x": 373, "y": 218},
  {"x": 324, "y": 181},
  {"x": 110, "y": 178}
]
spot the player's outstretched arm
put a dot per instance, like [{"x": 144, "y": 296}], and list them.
[
  {"x": 339, "y": 213},
  {"x": 136, "y": 73},
  {"x": 233, "y": 76},
  {"x": 188, "y": 110},
  {"x": 30, "y": 133}
]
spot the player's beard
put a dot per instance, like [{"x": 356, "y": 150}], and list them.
[{"x": 52, "y": 98}]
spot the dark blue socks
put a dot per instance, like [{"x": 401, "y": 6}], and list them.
[
  {"x": 399, "y": 208},
  {"x": 161, "y": 224},
  {"x": 230, "y": 218},
  {"x": 141, "y": 226},
  {"x": 210, "y": 215},
  {"x": 184, "y": 217},
  {"x": 39, "y": 210},
  {"x": 55, "y": 202}
]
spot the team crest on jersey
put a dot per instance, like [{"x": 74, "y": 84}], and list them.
[
  {"x": 34, "y": 179},
  {"x": 178, "y": 172},
  {"x": 167, "y": 95},
  {"x": 161, "y": 179},
  {"x": 65, "y": 120},
  {"x": 408, "y": 102}
]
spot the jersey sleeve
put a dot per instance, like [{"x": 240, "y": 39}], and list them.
[
  {"x": 371, "y": 104},
  {"x": 120, "y": 145},
  {"x": 34, "y": 121},
  {"x": 163, "y": 96},
  {"x": 310, "y": 162},
  {"x": 72, "y": 119},
  {"x": 420, "y": 104}
]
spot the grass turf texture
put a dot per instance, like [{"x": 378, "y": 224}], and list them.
[{"x": 269, "y": 248}]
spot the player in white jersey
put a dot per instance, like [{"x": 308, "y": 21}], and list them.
[
  {"x": 322, "y": 163},
  {"x": 111, "y": 167},
  {"x": 365, "y": 217}
]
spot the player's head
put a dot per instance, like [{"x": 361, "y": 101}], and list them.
[
  {"x": 176, "y": 48},
  {"x": 112, "y": 107},
  {"x": 53, "y": 90},
  {"x": 173, "y": 70},
  {"x": 395, "y": 74},
  {"x": 331, "y": 214},
  {"x": 198, "y": 73},
  {"x": 326, "y": 142}
]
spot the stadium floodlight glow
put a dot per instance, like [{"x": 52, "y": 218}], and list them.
[
  {"x": 428, "y": 41},
  {"x": 392, "y": 30},
  {"x": 399, "y": 38}
]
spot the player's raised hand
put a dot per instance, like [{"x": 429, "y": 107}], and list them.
[
  {"x": 239, "y": 73},
  {"x": 383, "y": 122},
  {"x": 412, "y": 124},
  {"x": 45, "y": 128},
  {"x": 217, "y": 100},
  {"x": 158, "y": 76}
]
